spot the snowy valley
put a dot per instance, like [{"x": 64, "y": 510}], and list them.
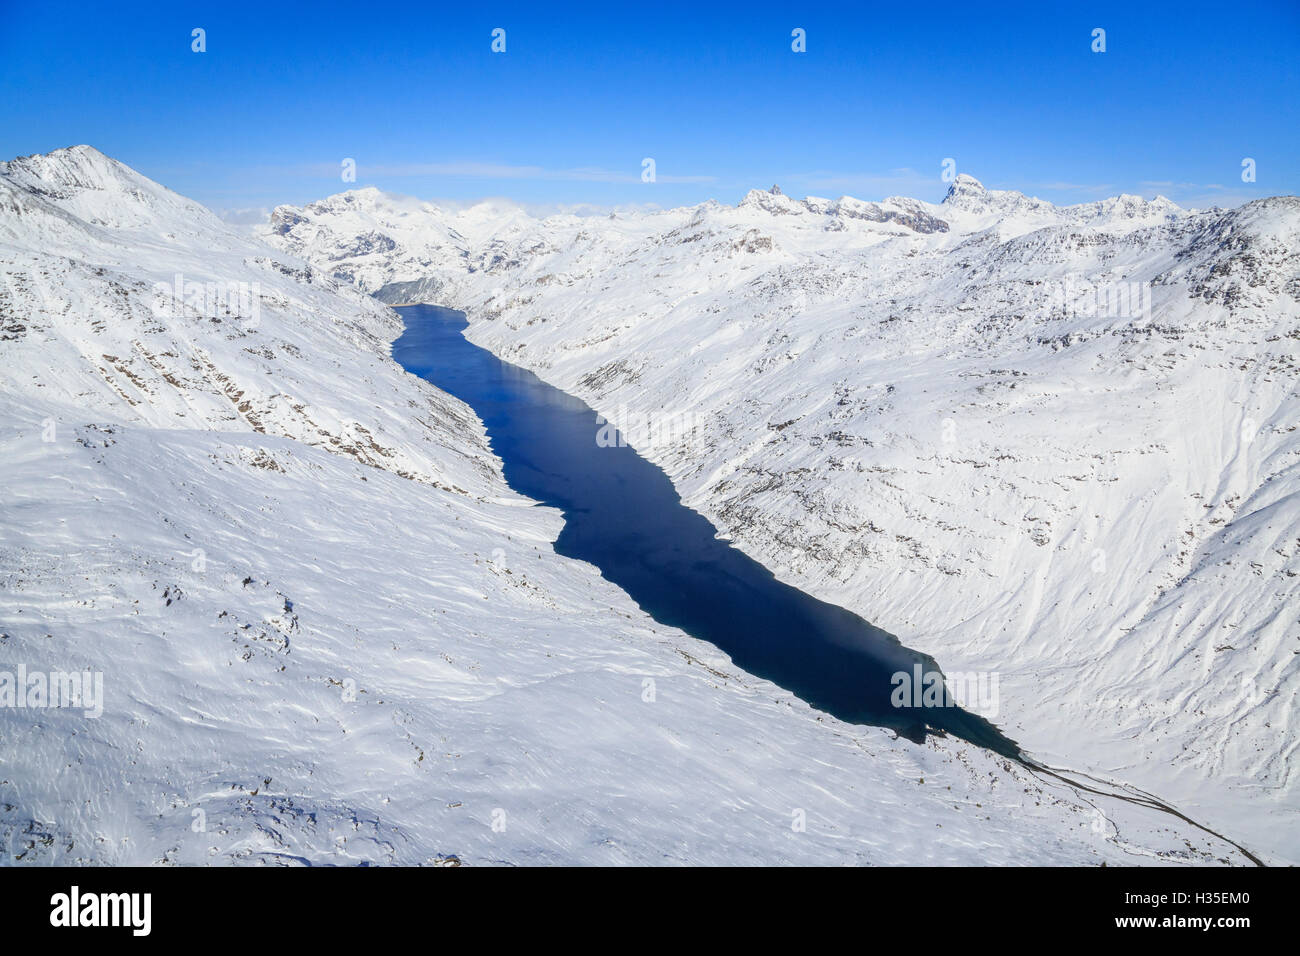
[
  {"x": 329, "y": 632},
  {"x": 1053, "y": 444}
]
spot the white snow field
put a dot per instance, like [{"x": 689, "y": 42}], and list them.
[{"x": 1053, "y": 444}]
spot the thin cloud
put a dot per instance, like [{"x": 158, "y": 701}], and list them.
[
  {"x": 502, "y": 171},
  {"x": 1095, "y": 188},
  {"x": 539, "y": 210},
  {"x": 1168, "y": 184},
  {"x": 897, "y": 182},
  {"x": 246, "y": 216}
]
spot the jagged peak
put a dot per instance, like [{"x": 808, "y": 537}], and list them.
[
  {"x": 363, "y": 195},
  {"x": 964, "y": 189},
  {"x": 772, "y": 201}
]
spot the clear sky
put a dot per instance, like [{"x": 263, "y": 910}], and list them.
[{"x": 713, "y": 93}]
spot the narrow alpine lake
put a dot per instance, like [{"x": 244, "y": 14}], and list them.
[{"x": 623, "y": 515}]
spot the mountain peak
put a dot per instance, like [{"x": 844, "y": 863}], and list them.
[
  {"x": 772, "y": 201},
  {"x": 965, "y": 187},
  {"x": 86, "y": 150},
  {"x": 101, "y": 190},
  {"x": 69, "y": 163}
]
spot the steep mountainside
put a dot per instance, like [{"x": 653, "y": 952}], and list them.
[{"x": 1054, "y": 444}]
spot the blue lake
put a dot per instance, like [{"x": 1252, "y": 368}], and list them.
[{"x": 624, "y": 516}]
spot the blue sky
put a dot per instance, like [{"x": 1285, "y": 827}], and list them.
[{"x": 714, "y": 94}]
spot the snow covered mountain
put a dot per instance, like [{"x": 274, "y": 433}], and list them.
[
  {"x": 1053, "y": 443},
  {"x": 316, "y": 626}
]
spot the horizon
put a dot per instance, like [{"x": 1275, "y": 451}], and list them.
[
  {"x": 249, "y": 217},
  {"x": 879, "y": 103}
]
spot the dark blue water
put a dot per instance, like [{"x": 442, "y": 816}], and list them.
[{"x": 623, "y": 515}]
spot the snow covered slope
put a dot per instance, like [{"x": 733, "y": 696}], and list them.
[
  {"x": 328, "y": 632},
  {"x": 1055, "y": 444}
]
